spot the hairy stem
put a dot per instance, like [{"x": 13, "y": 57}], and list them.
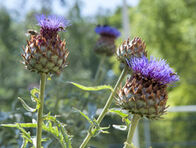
[
  {"x": 133, "y": 125},
  {"x": 40, "y": 111},
  {"x": 106, "y": 107}
]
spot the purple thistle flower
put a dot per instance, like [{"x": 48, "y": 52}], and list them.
[
  {"x": 155, "y": 69},
  {"x": 52, "y": 22},
  {"x": 107, "y": 30},
  {"x": 51, "y": 25}
]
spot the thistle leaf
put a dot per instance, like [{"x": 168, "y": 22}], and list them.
[
  {"x": 93, "y": 88},
  {"x": 119, "y": 112},
  {"x": 124, "y": 116},
  {"x": 50, "y": 129},
  {"x": 24, "y": 125},
  {"x": 25, "y": 135},
  {"x": 35, "y": 93},
  {"x": 28, "y": 108},
  {"x": 84, "y": 115},
  {"x": 66, "y": 137},
  {"x": 105, "y": 132}
]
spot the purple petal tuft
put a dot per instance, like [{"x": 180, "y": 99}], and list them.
[
  {"x": 107, "y": 30},
  {"x": 52, "y": 22},
  {"x": 155, "y": 69}
]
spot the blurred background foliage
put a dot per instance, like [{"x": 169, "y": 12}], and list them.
[{"x": 169, "y": 30}]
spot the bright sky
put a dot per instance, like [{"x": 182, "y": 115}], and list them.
[{"x": 89, "y": 7}]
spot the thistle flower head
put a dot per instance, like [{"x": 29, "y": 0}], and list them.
[
  {"x": 106, "y": 42},
  {"x": 145, "y": 92},
  {"x": 45, "y": 52},
  {"x": 51, "y": 25},
  {"x": 107, "y": 31},
  {"x": 155, "y": 69},
  {"x": 131, "y": 48}
]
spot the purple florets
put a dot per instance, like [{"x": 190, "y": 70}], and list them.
[
  {"x": 52, "y": 22},
  {"x": 107, "y": 30},
  {"x": 155, "y": 69},
  {"x": 51, "y": 25}
]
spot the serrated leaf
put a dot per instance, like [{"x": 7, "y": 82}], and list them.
[
  {"x": 50, "y": 130},
  {"x": 105, "y": 132},
  {"x": 25, "y": 135},
  {"x": 119, "y": 112},
  {"x": 58, "y": 131},
  {"x": 120, "y": 127},
  {"x": 104, "y": 128},
  {"x": 28, "y": 108},
  {"x": 98, "y": 129},
  {"x": 35, "y": 94},
  {"x": 26, "y": 125},
  {"x": 49, "y": 117},
  {"x": 84, "y": 115},
  {"x": 93, "y": 88},
  {"x": 124, "y": 116},
  {"x": 94, "y": 129},
  {"x": 66, "y": 137}
]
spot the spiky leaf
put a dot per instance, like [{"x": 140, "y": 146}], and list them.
[
  {"x": 94, "y": 88},
  {"x": 28, "y": 108}
]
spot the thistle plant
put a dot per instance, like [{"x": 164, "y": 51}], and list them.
[
  {"x": 45, "y": 53},
  {"x": 145, "y": 92},
  {"x": 133, "y": 53},
  {"x": 106, "y": 43}
]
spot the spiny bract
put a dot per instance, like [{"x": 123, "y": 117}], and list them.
[
  {"x": 45, "y": 52},
  {"x": 145, "y": 93},
  {"x": 129, "y": 49}
]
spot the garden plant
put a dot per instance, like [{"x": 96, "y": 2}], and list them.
[{"x": 144, "y": 94}]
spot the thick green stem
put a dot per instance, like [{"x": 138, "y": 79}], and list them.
[
  {"x": 40, "y": 111},
  {"x": 106, "y": 107},
  {"x": 133, "y": 125}
]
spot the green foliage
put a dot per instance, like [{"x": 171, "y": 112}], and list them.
[
  {"x": 169, "y": 30},
  {"x": 34, "y": 96},
  {"x": 52, "y": 125},
  {"x": 66, "y": 138},
  {"x": 95, "y": 88},
  {"x": 25, "y": 135},
  {"x": 84, "y": 115},
  {"x": 124, "y": 116},
  {"x": 28, "y": 108},
  {"x": 57, "y": 130},
  {"x": 94, "y": 129}
]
